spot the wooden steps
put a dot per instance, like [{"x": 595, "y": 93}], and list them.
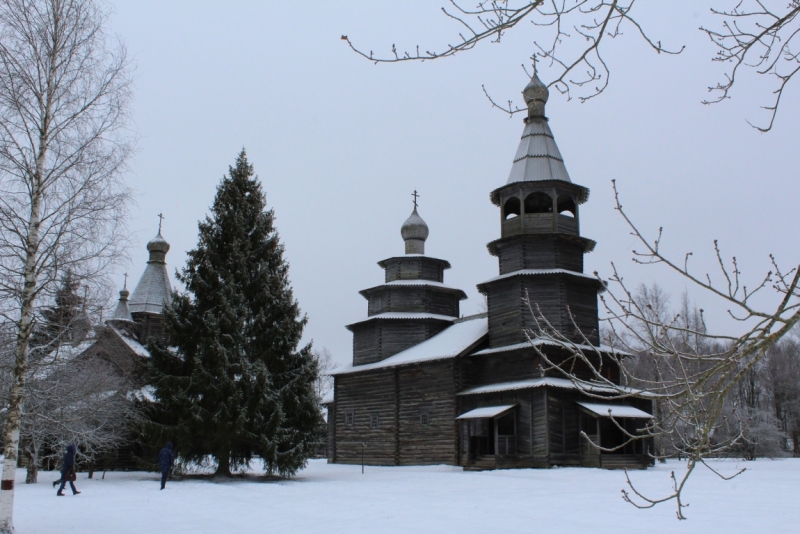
[{"x": 482, "y": 463}]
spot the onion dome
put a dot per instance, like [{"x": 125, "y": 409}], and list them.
[
  {"x": 158, "y": 248},
  {"x": 535, "y": 95},
  {"x": 414, "y": 232}
]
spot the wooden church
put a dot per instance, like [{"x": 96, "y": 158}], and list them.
[
  {"x": 123, "y": 338},
  {"x": 427, "y": 386}
]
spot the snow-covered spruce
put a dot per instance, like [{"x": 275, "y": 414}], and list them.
[{"x": 233, "y": 383}]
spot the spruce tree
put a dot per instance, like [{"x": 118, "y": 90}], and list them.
[{"x": 233, "y": 384}]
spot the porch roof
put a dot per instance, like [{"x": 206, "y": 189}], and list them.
[
  {"x": 485, "y": 412},
  {"x": 461, "y": 337},
  {"x": 615, "y": 410}
]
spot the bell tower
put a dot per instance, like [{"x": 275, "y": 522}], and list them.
[{"x": 540, "y": 249}]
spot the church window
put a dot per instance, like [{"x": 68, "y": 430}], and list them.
[
  {"x": 373, "y": 421},
  {"x": 566, "y": 206},
  {"x": 349, "y": 417},
  {"x": 538, "y": 203},
  {"x": 511, "y": 208},
  {"x": 424, "y": 418}
]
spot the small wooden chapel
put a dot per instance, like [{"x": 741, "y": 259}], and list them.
[{"x": 427, "y": 386}]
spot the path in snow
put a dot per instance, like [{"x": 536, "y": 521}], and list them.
[{"x": 440, "y": 499}]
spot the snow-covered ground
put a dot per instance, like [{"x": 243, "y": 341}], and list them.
[{"x": 335, "y": 498}]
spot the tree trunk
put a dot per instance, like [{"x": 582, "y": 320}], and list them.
[
  {"x": 224, "y": 465},
  {"x": 32, "y": 476},
  {"x": 20, "y": 366}
]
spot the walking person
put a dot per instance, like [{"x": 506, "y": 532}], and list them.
[
  {"x": 165, "y": 459},
  {"x": 68, "y": 471}
]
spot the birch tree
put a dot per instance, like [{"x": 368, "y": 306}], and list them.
[{"x": 64, "y": 95}]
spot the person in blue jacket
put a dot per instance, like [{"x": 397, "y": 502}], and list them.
[
  {"x": 67, "y": 468},
  {"x": 165, "y": 459}
]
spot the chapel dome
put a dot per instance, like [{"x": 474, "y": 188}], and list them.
[
  {"x": 158, "y": 244},
  {"x": 535, "y": 90},
  {"x": 535, "y": 95},
  {"x": 414, "y": 228},
  {"x": 414, "y": 232}
]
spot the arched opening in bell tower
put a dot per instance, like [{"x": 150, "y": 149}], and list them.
[
  {"x": 566, "y": 206},
  {"x": 511, "y": 208},
  {"x": 538, "y": 203}
]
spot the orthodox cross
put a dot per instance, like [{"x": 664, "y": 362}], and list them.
[
  {"x": 126, "y": 281},
  {"x": 160, "y": 220},
  {"x": 415, "y": 195}
]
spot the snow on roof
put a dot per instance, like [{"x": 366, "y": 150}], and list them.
[
  {"x": 144, "y": 394},
  {"x": 419, "y": 283},
  {"x": 405, "y": 315},
  {"x": 581, "y": 385},
  {"x": 62, "y": 353},
  {"x": 422, "y": 283},
  {"x": 449, "y": 343},
  {"x": 133, "y": 344},
  {"x": 615, "y": 410},
  {"x": 328, "y": 398},
  {"x": 485, "y": 412},
  {"x": 525, "y": 272},
  {"x": 539, "y": 341},
  {"x": 68, "y": 351}
]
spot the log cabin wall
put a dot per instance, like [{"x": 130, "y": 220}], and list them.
[
  {"x": 505, "y": 305},
  {"x": 428, "y": 431},
  {"x": 413, "y": 299},
  {"x": 378, "y": 339},
  {"x": 501, "y": 367},
  {"x": 546, "y": 251},
  {"x": 414, "y": 268},
  {"x": 555, "y": 296},
  {"x": 365, "y": 396},
  {"x": 523, "y": 364},
  {"x": 563, "y": 431},
  {"x": 366, "y": 340},
  {"x": 404, "y": 416}
]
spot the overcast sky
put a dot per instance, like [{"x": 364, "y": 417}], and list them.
[{"x": 340, "y": 144}]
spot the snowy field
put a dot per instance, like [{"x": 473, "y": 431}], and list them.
[{"x": 334, "y": 498}]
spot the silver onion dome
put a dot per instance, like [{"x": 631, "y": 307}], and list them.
[
  {"x": 414, "y": 232},
  {"x": 535, "y": 95}
]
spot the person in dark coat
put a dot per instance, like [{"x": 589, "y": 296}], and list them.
[
  {"x": 165, "y": 459},
  {"x": 67, "y": 469}
]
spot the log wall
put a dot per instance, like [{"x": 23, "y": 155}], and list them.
[
  {"x": 555, "y": 296},
  {"x": 540, "y": 252},
  {"x": 430, "y": 389},
  {"x": 414, "y": 268},
  {"x": 376, "y": 340},
  {"x": 398, "y": 397},
  {"x": 413, "y": 299}
]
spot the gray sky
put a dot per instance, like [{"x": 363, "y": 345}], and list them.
[{"x": 340, "y": 144}]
